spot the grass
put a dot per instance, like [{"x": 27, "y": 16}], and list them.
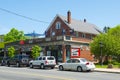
[
  {"x": 105, "y": 66},
  {"x": 101, "y": 66}
]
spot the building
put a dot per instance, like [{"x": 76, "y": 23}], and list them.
[{"x": 64, "y": 38}]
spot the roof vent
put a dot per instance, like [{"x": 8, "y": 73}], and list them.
[{"x": 84, "y": 20}]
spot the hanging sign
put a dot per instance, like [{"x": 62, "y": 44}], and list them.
[{"x": 75, "y": 52}]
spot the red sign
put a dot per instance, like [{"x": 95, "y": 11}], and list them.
[
  {"x": 22, "y": 42},
  {"x": 75, "y": 52}
]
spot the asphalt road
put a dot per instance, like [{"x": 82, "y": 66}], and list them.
[{"x": 25, "y": 73}]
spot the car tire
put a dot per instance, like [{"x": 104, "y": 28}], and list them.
[
  {"x": 61, "y": 68},
  {"x": 31, "y": 66},
  {"x": 79, "y": 69},
  {"x": 88, "y": 70},
  {"x": 52, "y": 67},
  {"x": 42, "y": 66},
  {"x": 8, "y": 64},
  {"x": 18, "y": 64}
]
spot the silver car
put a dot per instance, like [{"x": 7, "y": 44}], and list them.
[{"x": 78, "y": 64}]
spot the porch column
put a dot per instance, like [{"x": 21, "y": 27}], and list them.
[{"x": 64, "y": 53}]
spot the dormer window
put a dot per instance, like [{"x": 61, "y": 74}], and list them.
[
  {"x": 83, "y": 35},
  {"x": 58, "y": 25}
]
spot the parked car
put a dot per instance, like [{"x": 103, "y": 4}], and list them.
[
  {"x": 18, "y": 60},
  {"x": 43, "y": 61},
  {"x": 3, "y": 61},
  {"x": 78, "y": 64}
]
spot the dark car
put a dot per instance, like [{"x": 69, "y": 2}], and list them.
[
  {"x": 3, "y": 61},
  {"x": 18, "y": 60}
]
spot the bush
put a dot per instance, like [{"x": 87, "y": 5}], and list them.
[
  {"x": 119, "y": 65},
  {"x": 114, "y": 62}
]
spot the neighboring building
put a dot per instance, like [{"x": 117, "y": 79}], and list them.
[{"x": 65, "y": 38}]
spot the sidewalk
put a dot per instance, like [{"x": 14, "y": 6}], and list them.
[{"x": 114, "y": 70}]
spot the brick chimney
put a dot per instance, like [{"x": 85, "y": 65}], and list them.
[{"x": 69, "y": 17}]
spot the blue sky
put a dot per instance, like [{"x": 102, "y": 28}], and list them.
[{"x": 99, "y": 12}]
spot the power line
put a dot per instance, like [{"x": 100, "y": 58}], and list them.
[{"x": 22, "y": 16}]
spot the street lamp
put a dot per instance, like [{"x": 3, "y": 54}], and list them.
[{"x": 101, "y": 46}]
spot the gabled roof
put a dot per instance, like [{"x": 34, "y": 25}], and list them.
[{"x": 79, "y": 25}]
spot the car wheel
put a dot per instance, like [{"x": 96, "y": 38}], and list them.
[
  {"x": 42, "y": 66},
  {"x": 18, "y": 64},
  {"x": 88, "y": 70},
  {"x": 31, "y": 66},
  {"x": 61, "y": 68},
  {"x": 79, "y": 69},
  {"x": 8, "y": 64},
  {"x": 52, "y": 67}
]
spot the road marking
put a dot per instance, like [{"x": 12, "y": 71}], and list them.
[{"x": 38, "y": 75}]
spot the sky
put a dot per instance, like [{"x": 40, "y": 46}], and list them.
[{"x": 99, "y": 12}]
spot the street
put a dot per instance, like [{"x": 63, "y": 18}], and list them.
[{"x": 25, "y": 73}]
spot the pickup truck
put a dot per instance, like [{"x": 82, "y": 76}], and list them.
[{"x": 43, "y": 61}]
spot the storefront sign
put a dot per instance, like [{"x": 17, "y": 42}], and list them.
[
  {"x": 22, "y": 42},
  {"x": 75, "y": 52}
]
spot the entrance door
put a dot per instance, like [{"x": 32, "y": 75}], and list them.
[{"x": 55, "y": 54}]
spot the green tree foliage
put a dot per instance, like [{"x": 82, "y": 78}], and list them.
[
  {"x": 110, "y": 43},
  {"x": 11, "y": 52},
  {"x": 14, "y": 35},
  {"x": 36, "y": 51}
]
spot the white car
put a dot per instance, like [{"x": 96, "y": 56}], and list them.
[
  {"x": 43, "y": 61},
  {"x": 78, "y": 64}
]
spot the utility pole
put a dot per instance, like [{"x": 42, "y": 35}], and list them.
[{"x": 101, "y": 46}]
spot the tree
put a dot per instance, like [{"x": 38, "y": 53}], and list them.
[
  {"x": 11, "y": 52},
  {"x": 105, "y": 29},
  {"x": 14, "y": 35},
  {"x": 36, "y": 51},
  {"x": 110, "y": 42}
]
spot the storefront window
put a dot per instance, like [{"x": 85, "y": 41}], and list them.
[
  {"x": 67, "y": 54},
  {"x": 59, "y": 56}
]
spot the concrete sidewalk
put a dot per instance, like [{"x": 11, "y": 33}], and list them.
[{"x": 113, "y": 70}]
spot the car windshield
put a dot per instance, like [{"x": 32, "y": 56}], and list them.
[
  {"x": 50, "y": 58},
  {"x": 23, "y": 56}
]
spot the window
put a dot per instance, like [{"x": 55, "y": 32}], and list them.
[
  {"x": 83, "y": 35},
  {"x": 58, "y": 25},
  {"x": 50, "y": 58},
  {"x": 53, "y": 33},
  {"x": 91, "y": 37},
  {"x": 83, "y": 60},
  {"x": 69, "y": 61},
  {"x": 40, "y": 58},
  {"x": 63, "y": 31},
  {"x": 77, "y": 34},
  {"x": 44, "y": 58},
  {"x": 75, "y": 61},
  {"x": 67, "y": 37}
]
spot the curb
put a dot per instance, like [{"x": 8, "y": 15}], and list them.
[{"x": 107, "y": 71}]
